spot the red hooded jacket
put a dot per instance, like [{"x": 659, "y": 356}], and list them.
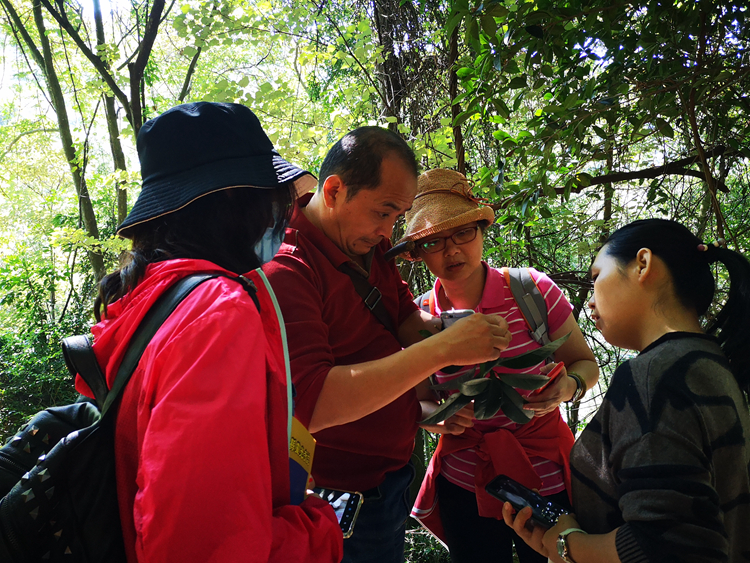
[{"x": 202, "y": 443}]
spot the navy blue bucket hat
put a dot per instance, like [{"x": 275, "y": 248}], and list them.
[{"x": 195, "y": 149}]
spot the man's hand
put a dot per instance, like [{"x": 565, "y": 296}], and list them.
[
  {"x": 472, "y": 340},
  {"x": 455, "y": 424}
]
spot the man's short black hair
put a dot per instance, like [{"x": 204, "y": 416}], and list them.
[{"x": 357, "y": 157}]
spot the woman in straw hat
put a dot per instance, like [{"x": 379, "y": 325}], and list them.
[
  {"x": 445, "y": 229},
  {"x": 201, "y": 440}
]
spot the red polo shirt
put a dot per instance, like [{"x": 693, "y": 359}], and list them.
[{"x": 327, "y": 325}]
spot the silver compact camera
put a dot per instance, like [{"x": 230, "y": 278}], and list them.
[{"x": 450, "y": 317}]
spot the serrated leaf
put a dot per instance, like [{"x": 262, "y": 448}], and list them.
[
  {"x": 487, "y": 405},
  {"x": 474, "y": 387},
  {"x": 451, "y": 406},
  {"x": 526, "y": 381}
]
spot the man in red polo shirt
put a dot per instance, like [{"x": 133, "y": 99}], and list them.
[{"x": 354, "y": 382}]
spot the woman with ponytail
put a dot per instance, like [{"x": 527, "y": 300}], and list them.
[{"x": 662, "y": 472}]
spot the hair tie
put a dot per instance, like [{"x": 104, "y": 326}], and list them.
[
  {"x": 703, "y": 247},
  {"x": 711, "y": 255}
]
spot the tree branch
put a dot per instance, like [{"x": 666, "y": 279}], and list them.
[
  {"x": 189, "y": 76},
  {"x": 13, "y": 15},
  {"x": 677, "y": 168},
  {"x": 351, "y": 53},
  {"x": 138, "y": 67},
  {"x": 21, "y": 135},
  {"x": 90, "y": 55}
]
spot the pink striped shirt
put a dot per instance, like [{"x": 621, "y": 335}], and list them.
[{"x": 458, "y": 468}]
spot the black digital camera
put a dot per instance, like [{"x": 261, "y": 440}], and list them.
[{"x": 543, "y": 512}]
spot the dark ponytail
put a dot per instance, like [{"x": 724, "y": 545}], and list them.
[
  {"x": 221, "y": 227},
  {"x": 688, "y": 261}
]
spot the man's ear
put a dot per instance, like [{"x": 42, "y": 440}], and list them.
[
  {"x": 334, "y": 190},
  {"x": 644, "y": 262}
]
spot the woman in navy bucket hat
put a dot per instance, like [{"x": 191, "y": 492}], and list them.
[{"x": 201, "y": 442}]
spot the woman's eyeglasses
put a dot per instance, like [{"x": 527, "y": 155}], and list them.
[{"x": 459, "y": 237}]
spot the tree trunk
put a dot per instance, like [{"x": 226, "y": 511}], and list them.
[
  {"x": 86, "y": 209},
  {"x": 455, "y": 109},
  {"x": 137, "y": 69},
  {"x": 114, "y": 131},
  {"x": 389, "y": 72}
]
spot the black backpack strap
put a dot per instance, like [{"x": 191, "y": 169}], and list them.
[
  {"x": 531, "y": 303},
  {"x": 150, "y": 324},
  {"x": 372, "y": 297},
  {"x": 80, "y": 359}
]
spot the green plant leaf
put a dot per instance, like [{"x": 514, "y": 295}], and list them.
[
  {"x": 526, "y": 381},
  {"x": 512, "y": 404},
  {"x": 474, "y": 387},
  {"x": 451, "y": 406},
  {"x": 488, "y": 403},
  {"x": 525, "y": 360}
]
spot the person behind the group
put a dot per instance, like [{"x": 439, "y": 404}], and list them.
[
  {"x": 354, "y": 382},
  {"x": 201, "y": 440},
  {"x": 662, "y": 472},
  {"x": 446, "y": 226}
]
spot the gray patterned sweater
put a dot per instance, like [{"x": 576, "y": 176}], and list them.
[{"x": 667, "y": 460}]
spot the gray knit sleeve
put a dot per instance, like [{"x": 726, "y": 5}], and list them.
[{"x": 627, "y": 546}]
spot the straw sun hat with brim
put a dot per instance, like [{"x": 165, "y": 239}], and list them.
[
  {"x": 196, "y": 149},
  {"x": 444, "y": 201}
]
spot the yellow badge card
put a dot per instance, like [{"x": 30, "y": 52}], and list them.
[{"x": 301, "y": 450}]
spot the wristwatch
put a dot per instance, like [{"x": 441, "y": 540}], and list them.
[
  {"x": 580, "y": 387},
  {"x": 562, "y": 544}
]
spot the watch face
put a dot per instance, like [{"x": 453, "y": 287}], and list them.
[{"x": 561, "y": 546}]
